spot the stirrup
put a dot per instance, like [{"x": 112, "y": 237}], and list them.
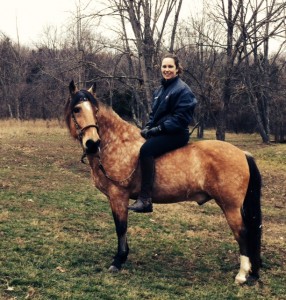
[{"x": 142, "y": 205}]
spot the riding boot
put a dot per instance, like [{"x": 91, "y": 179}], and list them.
[{"x": 144, "y": 202}]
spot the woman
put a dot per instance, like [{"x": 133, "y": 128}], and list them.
[{"x": 167, "y": 129}]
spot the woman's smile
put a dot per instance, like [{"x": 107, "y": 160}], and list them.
[{"x": 168, "y": 68}]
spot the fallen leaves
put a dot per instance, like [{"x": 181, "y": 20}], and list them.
[{"x": 60, "y": 269}]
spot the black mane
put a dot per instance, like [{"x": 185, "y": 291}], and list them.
[{"x": 83, "y": 95}]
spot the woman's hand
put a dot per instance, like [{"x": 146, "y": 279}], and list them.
[
  {"x": 144, "y": 132},
  {"x": 147, "y": 132},
  {"x": 154, "y": 131}
]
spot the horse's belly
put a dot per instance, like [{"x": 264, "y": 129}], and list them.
[{"x": 199, "y": 197}]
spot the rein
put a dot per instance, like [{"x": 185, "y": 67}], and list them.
[
  {"x": 102, "y": 169},
  {"x": 80, "y": 132}
]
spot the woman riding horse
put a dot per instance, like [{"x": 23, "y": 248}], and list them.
[
  {"x": 167, "y": 129},
  {"x": 207, "y": 170}
]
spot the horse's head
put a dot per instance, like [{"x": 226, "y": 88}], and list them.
[{"x": 80, "y": 111}]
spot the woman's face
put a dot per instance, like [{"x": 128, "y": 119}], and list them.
[{"x": 168, "y": 68}]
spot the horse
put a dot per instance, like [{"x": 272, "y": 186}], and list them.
[{"x": 200, "y": 171}]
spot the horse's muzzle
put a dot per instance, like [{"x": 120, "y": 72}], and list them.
[{"x": 92, "y": 146}]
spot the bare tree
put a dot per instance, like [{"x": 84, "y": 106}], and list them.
[
  {"x": 202, "y": 62},
  {"x": 13, "y": 59},
  {"x": 230, "y": 14},
  {"x": 267, "y": 22},
  {"x": 250, "y": 24},
  {"x": 143, "y": 26},
  {"x": 227, "y": 61}
]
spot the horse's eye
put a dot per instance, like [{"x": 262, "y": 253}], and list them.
[{"x": 76, "y": 110}]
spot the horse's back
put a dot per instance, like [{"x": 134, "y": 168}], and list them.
[{"x": 202, "y": 170}]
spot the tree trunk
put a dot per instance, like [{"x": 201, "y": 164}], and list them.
[
  {"x": 174, "y": 30},
  {"x": 221, "y": 125},
  {"x": 264, "y": 135}
]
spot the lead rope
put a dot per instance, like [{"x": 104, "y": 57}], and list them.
[{"x": 83, "y": 157}]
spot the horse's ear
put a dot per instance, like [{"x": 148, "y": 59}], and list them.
[
  {"x": 72, "y": 87},
  {"x": 92, "y": 89}
]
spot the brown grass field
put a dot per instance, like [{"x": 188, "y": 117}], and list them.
[{"x": 58, "y": 238}]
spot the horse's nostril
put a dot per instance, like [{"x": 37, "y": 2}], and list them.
[{"x": 92, "y": 146}]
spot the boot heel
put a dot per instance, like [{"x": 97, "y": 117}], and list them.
[{"x": 142, "y": 206}]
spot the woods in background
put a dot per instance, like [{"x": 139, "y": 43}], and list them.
[{"x": 238, "y": 78}]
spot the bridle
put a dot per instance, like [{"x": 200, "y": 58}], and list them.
[{"x": 80, "y": 131}]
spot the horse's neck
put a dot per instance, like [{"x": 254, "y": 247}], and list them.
[
  {"x": 115, "y": 130},
  {"x": 120, "y": 145}
]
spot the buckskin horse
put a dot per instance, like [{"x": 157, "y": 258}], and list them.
[{"x": 199, "y": 171}]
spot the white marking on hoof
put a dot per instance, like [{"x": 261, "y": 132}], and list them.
[
  {"x": 113, "y": 269},
  {"x": 240, "y": 279},
  {"x": 245, "y": 267}
]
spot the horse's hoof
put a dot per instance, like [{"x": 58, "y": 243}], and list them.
[
  {"x": 113, "y": 269},
  {"x": 240, "y": 280}
]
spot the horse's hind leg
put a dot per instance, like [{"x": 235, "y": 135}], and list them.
[{"x": 235, "y": 221}]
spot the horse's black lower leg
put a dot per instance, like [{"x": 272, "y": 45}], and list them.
[
  {"x": 245, "y": 265},
  {"x": 235, "y": 221},
  {"x": 248, "y": 267},
  {"x": 121, "y": 255},
  {"x": 122, "y": 249},
  {"x": 250, "y": 247},
  {"x": 242, "y": 242}
]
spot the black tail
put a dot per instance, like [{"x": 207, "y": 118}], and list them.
[{"x": 251, "y": 213}]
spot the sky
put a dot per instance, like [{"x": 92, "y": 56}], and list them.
[{"x": 32, "y": 16}]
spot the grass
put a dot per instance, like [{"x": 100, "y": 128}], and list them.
[{"x": 58, "y": 238}]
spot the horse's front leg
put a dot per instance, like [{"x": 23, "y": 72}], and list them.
[{"x": 119, "y": 203}]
